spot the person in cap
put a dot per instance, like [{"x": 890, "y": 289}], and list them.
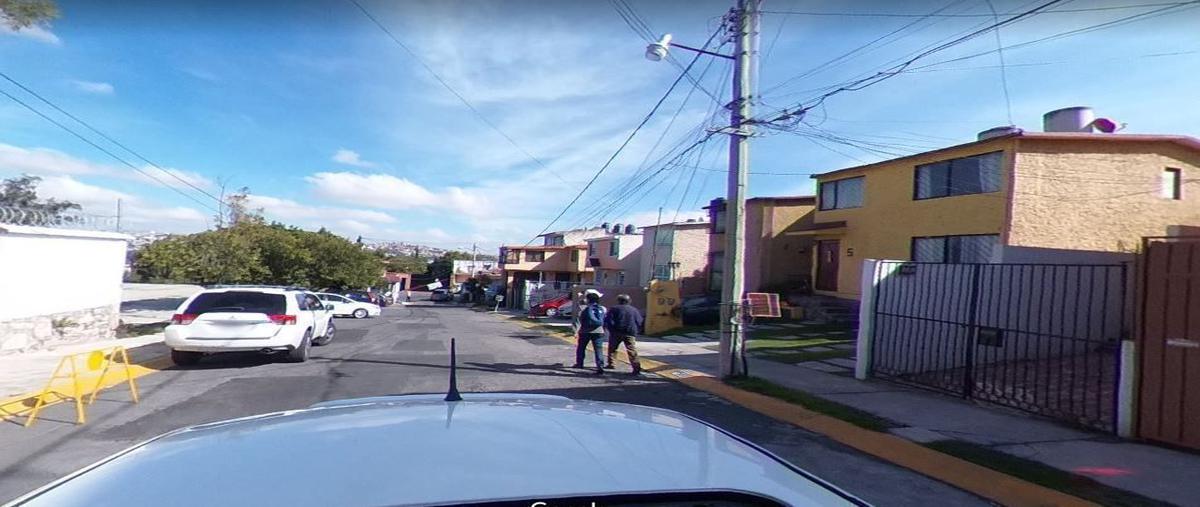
[
  {"x": 589, "y": 328},
  {"x": 624, "y": 323}
]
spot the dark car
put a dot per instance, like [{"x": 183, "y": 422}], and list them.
[
  {"x": 439, "y": 295},
  {"x": 367, "y": 297},
  {"x": 700, "y": 310}
]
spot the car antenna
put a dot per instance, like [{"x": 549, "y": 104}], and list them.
[{"x": 453, "y": 394}]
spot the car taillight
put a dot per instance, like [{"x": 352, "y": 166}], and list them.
[
  {"x": 183, "y": 319},
  {"x": 283, "y": 319}
]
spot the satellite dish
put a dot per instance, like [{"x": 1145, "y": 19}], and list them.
[{"x": 1106, "y": 125}]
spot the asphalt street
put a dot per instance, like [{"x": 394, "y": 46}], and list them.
[{"x": 406, "y": 351}]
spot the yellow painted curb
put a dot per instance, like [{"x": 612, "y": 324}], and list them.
[
  {"x": 985, "y": 482},
  {"x": 19, "y": 406}
]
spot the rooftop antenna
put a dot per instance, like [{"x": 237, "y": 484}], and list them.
[{"x": 453, "y": 394}]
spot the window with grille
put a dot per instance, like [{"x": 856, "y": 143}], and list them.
[
  {"x": 662, "y": 272},
  {"x": 1172, "y": 184},
  {"x": 614, "y": 248},
  {"x": 842, "y": 194},
  {"x": 976, "y": 248},
  {"x": 979, "y": 174},
  {"x": 532, "y": 256}
]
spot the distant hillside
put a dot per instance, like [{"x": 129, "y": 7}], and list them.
[{"x": 428, "y": 253}]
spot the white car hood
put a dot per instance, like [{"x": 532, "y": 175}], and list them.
[{"x": 420, "y": 449}]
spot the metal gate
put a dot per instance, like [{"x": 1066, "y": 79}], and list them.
[
  {"x": 1043, "y": 338},
  {"x": 1169, "y": 341}
]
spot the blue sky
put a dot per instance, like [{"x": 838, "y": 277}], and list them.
[{"x": 330, "y": 123}]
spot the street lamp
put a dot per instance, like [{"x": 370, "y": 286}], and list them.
[{"x": 745, "y": 20}]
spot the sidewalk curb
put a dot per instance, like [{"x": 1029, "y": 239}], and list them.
[{"x": 976, "y": 479}]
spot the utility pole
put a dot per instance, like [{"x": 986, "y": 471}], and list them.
[
  {"x": 118, "y": 214},
  {"x": 746, "y": 20}
]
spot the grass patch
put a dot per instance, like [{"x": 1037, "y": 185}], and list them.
[
  {"x": 836, "y": 410},
  {"x": 1041, "y": 474},
  {"x": 755, "y": 344},
  {"x": 132, "y": 330},
  {"x": 801, "y": 356}
]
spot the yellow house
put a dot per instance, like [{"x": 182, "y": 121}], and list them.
[{"x": 975, "y": 202}]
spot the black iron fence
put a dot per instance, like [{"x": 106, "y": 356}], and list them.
[{"x": 1043, "y": 338}]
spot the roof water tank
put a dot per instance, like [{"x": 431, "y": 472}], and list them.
[
  {"x": 616, "y": 229},
  {"x": 630, "y": 229},
  {"x": 1069, "y": 119},
  {"x": 1006, "y": 130},
  {"x": 604, "y": 226}
]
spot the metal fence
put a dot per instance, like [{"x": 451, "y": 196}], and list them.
[
  {"x": 58, "y": 220},
  {"x": 1037, "y": 337}
]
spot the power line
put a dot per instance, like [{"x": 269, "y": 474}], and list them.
[
  {"x": 451, "y": 89},
  {"x": 897, "y": 69},
  {"x": 107, "y": 137},
  {"x": 981, "y": 15},
  {"x": 621, "y": 148},
  {"x": 1003, "y": 68},
  {"x": 1043, "y": 64},
  {"x": 643, "y": 30},
  {"x": 105, "y": 151}
]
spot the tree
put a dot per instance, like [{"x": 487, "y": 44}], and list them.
[
  {"x": 210, "y": 257},
  {"x": 18, "y": 14},
  {"x": 21, "y": 193},
  {"x": 406, "y": 264},
  {"x": 238, "y": 210}
]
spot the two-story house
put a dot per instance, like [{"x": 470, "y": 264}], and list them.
[
  {"x": 560, "y": 259},
  {"x": 615, "y": 258},
  {"x": 1005, "y": 194},
  {"x": 677, "y": 251},
  {"x": 775, "y": 261}
]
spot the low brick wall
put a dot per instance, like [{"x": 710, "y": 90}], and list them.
[{"x": 43, "y": 332}]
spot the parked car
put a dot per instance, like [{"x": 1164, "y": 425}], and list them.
[
  {"x": 700, "y": 310},
  {"x": 550, "y": 307},
  {"x": 231, "y": 319},
  {"x": 421, "y": 450},
  {"x": 439, "y": 295},
  {"x": 366, "y": 297},
  {"x": 346, "y": 307}
]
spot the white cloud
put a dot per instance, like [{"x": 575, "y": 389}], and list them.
[
  {"x": 307, "y": 214},
  {"x": 93, "y": 87},
  {"x": 45, "y": 161},
  {"x": 350, "y": 157},
  {"x": 137, "y": 213},
  {"x": 178, "y": 178},
  {"x": 35, "y": 32},
  {"x": 385, "y": 191}
]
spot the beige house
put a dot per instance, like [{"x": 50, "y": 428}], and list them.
[
  {"x": 616, "y": 258},
  {"x": 676, "y": 251},
  {"x": 775, "y": 261},
  {"x": 1000, "y": 198}
]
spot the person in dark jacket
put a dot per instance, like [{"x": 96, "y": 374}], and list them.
[
  {"x": 590, "y": 317},
  {"x": 623, "y": 323}
]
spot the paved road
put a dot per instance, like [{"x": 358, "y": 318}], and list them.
[{"x": 402, "y": 352}]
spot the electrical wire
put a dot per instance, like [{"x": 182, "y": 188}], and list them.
[
  {"x": 621, "y": 148},
  {"x": 1003, "y": 68},
  {"x": 106, "y": 151},
  {"x": 452, "y": 91},
  {"x": 643, "y": 30},
  {"x": 981, "y": 15}
]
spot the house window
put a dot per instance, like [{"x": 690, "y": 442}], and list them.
[
  {"x": 955, "y": 249},
  {"x": 532, "y": 256},
  {"x": 1172, "y": 184},
  {"x": 614, "y": 248},
  {"x": 716, "y": 271},
  {"x": 663, "y": 238},
  {"x": 556, "y": 240},
  {"x": 662, "y": 272},
  {"x": 512, "y": 256},
  {"x": 978, "y": 174},
  {"x": 620, "y": 278},
  {"x": 842, "y": 194},
  {"x": 591, "y": 248},
  {"x": 718, "y": 225},
  {"x": 574, "y": 255}
]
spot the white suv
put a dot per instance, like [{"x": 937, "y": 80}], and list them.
[{"x": 265, "y": 319}]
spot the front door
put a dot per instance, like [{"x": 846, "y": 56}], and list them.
[{"x": 827, "y": 265}]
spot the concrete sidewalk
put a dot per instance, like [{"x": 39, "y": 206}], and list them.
[
  {"x": 1151, "y": 471},
  {"x": 22, "y": 374}
]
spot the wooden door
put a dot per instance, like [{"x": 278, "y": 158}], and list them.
[{"x": 828, "y": 252}]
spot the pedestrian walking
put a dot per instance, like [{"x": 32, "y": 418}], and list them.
[
  {"x": 624, "y": 323},
  {"x": 589, "y": 328}
]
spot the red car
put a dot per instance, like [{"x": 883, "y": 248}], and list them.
[{"x": 549, "y": 307}]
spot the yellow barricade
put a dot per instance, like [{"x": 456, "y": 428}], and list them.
[{"x": 79, "y": 387}]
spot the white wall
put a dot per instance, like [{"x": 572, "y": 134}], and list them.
[{"x": 45, "y": 271}]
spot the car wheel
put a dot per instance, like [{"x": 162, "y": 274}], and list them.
[
  {"x": 185, "y": 358},
  {"x": 300, "y": 353},
  {"x": 329, "y": 331},
  {"x": 360, "y": 313},
  {"x": 552, "y": 312}
]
